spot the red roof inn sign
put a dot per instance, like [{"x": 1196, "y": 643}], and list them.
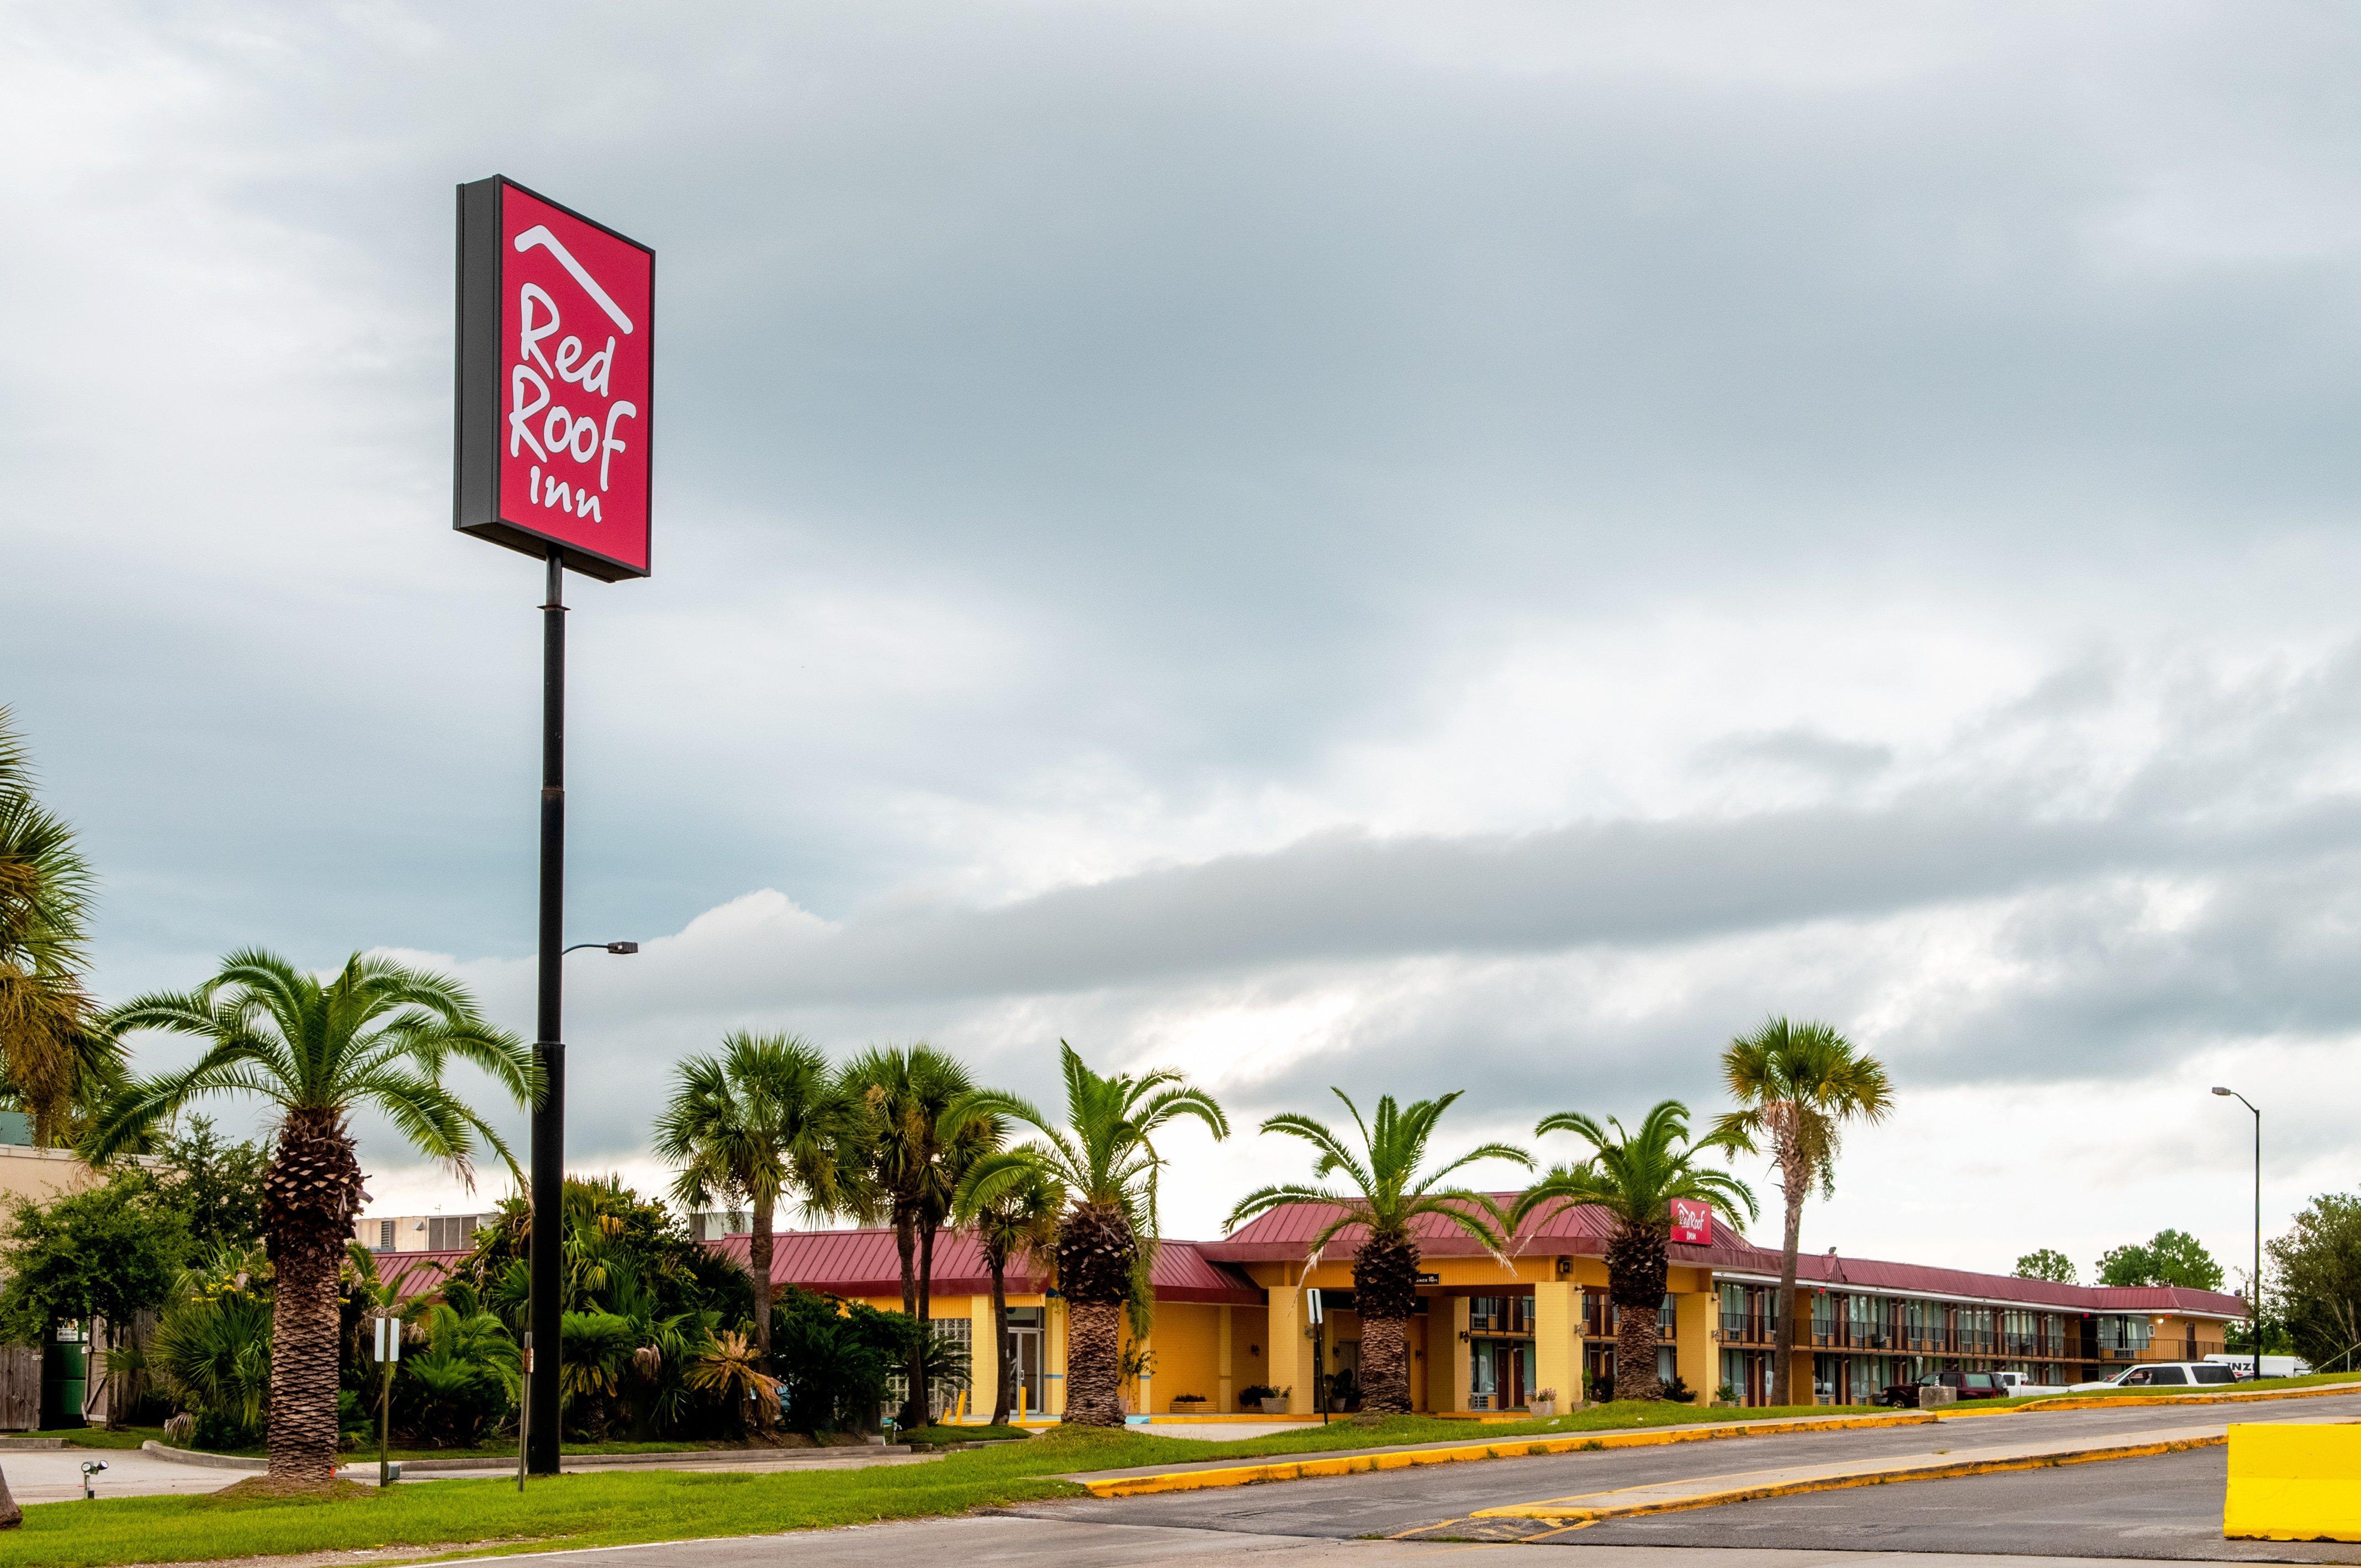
[
  {"x": 556, "y": 367},
  {"x": 1692, "y": 1222}
]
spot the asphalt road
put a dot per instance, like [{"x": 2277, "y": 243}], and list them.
[
  {"x": 2168, "y": 1507},
  {"x": 1012, "y": 1542},
  {"x": 1393, "y": 1502}
]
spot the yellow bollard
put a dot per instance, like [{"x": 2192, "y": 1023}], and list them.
[
  {"x": 2293, "y": 1482},
  {"x": 1020, "y": 1401}
]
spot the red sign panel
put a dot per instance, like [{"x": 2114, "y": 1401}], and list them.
[
  {"x": 1692, "y": 1222},
  {"x": 557, "y": 381}
]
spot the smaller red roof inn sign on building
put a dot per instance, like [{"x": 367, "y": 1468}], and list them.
[
  {"x": 1692, "y": 1222},
  {"x": 556, "y": 393}
]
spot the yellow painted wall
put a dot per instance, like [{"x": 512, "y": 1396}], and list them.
[
  {"x": 1455, "y": 1352},
  {"x": 1290, "y": 1350},
  {"x": 1187, "y": 1344},
  {"x": 1557, "y": 1340}
]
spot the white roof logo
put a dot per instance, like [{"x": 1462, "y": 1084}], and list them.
[{"x": 539, "y": 234}]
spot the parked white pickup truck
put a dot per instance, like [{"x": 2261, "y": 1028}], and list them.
[{"x": 2020, "y": 1386}]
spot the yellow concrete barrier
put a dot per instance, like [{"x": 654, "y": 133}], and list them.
[{"x": 2293, "y": 1482}]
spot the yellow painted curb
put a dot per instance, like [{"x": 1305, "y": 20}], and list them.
[
  {"x": 1571, "y": 1515},
  {"x": 2112, "y": 1401},
  {"x": 1460, "y": 1454},
  {"x": 2292, "y": 1480}
]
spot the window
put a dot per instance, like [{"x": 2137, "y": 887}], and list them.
[
  {"x": 2123, "y": 1334},
  {"x": 384, "y": 1235},
  {"x": 2214, "y": 1373},
  {"x": 452, "y": 1232},
  {"x": 2162, "y": 1374}
]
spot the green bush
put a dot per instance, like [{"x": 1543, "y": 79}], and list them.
[{"x": 835, "y": 1360}]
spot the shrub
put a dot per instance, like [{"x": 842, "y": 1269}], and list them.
[{"x": 835, "y": 1360}]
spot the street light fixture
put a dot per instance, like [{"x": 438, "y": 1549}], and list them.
[
  {"x": 2254, "y": 1284},
  {"x": 625, "y": 947}
]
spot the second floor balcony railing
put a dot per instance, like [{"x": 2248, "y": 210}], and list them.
[{"x": 1750, "y": 1328}]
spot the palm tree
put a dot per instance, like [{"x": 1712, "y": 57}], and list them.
[
  {"x": 379, "y": 1035},
  {"x": 760, "y": 1120},
  {"x": 1385, "y": 1190},
  {"x": 1104, "y": 1154},
  {"x": 1013, "y": 1200},
  {"x": 1797, "y": 1085},
  {"x": 55, "y": 1065},
  {"x": 1635, "y": 1176},
  {"x": 910, "y": 1161}
]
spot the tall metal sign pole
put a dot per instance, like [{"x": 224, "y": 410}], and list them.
[{"x": 556, "y": 421}]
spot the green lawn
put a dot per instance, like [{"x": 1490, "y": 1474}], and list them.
[{"x": 619, "y": 1508}]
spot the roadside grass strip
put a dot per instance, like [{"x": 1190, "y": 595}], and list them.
[
  {"x": 605, "y": 1508},
  {"x": 1536, "y": 1447},
  {"x": 1528, "y": 1521}
]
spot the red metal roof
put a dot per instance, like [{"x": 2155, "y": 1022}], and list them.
[
  {"x": 417, "y": 1273},
  {"x": 1283, "y": 1234},
  {"x": 866, "y": 1263}
]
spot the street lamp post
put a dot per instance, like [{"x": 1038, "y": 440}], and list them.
[
  {"x": 2254, "y": 1284},
  {"x": 544, "y": 1298}
]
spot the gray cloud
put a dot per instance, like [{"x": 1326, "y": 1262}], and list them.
[{"x": 1494, "y": 552}]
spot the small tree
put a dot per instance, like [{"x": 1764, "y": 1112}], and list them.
[
  {"x": 756, "y": 1124},
  {"x": 1012, "y": 1201},
  {"x": 1387, "y": 1187},
  {"x": 2046, "y": 1263},
  {"x": 216, "y": 1182},
  {"x": 1103, "y": 1152},
  {"x": 904, "y": 1163},
  {"x": 110, "y": 1254},
  {"x": 1796, "y": 1086},
  {"x": 1635, "y": 1176},
  {"x": 2319, "y": 1267},
  {"x": 2168, "y": 1257}
]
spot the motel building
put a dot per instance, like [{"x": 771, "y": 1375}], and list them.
[{"x": 1232, "y": 1314}]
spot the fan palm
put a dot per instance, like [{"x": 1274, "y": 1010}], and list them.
[
  {"x": 1104, "y": 1154},
  {"x": 1385, "y": 1189},
  {"x": 1797, "y": 1085},
  {"x": 55, "y": 1064},
  {"x": 904, "y": 1166},
  {"x": 760, "y": 1120},
  {"x": 1012, "y": 1200},
  {"x": 378, "y": 1035},
  {"x": 1635, "y": 1176}
]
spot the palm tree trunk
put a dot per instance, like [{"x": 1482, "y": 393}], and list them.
[
  {"x": 1783, "y": 1340},
  {"x": 1005, "y": 1363},
  {"x": 1635, "y": 1354},
  {"x": 310, "y": 1193},
  {"x": 1385, "y": 1365},
  {"x": 919, "y": 1394},
  {"x": 1094, "y": 1363},
  {"x": 11, "y": 1516},
  {"x": 759, "y": 1252},
  {"x": 905, "y": 1242}
]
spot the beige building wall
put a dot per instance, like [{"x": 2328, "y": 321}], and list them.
[{"x": 38, "y": 1176}]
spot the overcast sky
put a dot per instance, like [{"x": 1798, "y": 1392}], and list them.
[{"x": 1414, "y": 547}]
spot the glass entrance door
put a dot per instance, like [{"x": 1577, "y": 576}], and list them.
[{"x": 1025, "y": 1389}]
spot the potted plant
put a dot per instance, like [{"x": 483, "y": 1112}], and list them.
[
  {"x": 1187, "y": 1404},
  {"x": 1263, "y": 1396},
  {"x": 1543, "y": 1402}
]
